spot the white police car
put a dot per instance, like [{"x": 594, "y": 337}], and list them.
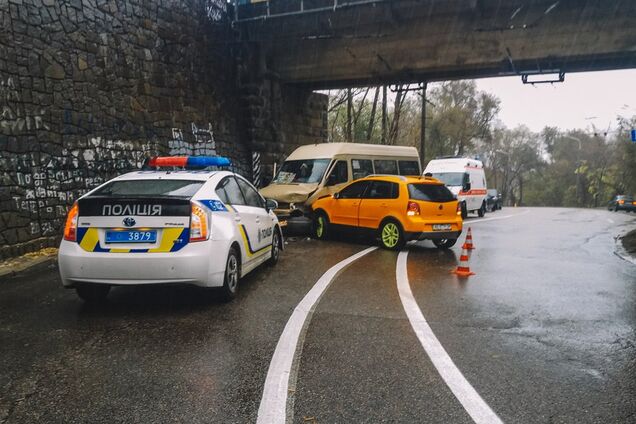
[{"x": 206, "y": 228}]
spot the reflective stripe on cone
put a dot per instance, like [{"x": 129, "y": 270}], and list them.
[
  {"x": 463, "y": 270},
  {"x": 468, "y": 244}
]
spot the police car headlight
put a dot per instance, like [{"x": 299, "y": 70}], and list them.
[{"x": 199, "y": 225}]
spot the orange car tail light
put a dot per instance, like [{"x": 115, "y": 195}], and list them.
[{"x": 412, "y": 209}]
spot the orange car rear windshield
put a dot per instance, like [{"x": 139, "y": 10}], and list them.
[{"x": 430, "y": 193}]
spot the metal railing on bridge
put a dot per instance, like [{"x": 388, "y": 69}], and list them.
[{"x": 249, "y": 10}]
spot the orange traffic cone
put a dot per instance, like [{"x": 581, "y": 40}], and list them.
[
  {"x": 463, "y": 270},
  {"x": 468, "y": 244}
]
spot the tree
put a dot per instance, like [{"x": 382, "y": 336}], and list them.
[{"x": 462, "y": 116}]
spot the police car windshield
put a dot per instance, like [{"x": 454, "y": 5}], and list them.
[
  {"x": 302, "y": 171},
  {"x": 450, "y": 178},
  {"x": 150, "y": 188}
]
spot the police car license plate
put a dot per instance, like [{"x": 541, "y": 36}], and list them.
[
  {"x": 441, "y": 227},
  {"x": 131, "y": 236}
]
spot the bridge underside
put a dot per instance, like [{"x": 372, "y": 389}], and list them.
[{"x": 405, "y": 41}]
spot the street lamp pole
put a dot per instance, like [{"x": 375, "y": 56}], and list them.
[{"x": 423, "y": 130}]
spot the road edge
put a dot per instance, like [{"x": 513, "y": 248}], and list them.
[
  {"x": 30, "y": 264},
  {"x": 620, "y": 251}
]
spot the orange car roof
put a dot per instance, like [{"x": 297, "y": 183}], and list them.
[{"x": 403, "y": 179}]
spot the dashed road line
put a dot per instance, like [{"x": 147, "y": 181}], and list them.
[
  {"x": 474, "y": 405},
  {"x": 273, "y": 407}
]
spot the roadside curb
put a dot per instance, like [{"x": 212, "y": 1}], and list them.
[
  {"x": 26, "y": 265},
  {"x": 620, "y": 250}
]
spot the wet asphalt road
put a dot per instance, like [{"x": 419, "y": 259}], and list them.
[{"x": 545, "y": 332}]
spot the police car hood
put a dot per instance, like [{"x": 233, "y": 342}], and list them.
[{"x": 289, "y": 193}]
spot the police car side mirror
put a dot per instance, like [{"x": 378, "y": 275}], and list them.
[
  {"x": 271, "y": 204},
  {"x": 336, "y": 195}
]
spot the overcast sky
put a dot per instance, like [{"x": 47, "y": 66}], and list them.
[{"x": 583, "y": 100}]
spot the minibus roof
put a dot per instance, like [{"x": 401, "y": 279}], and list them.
[{"x": 329, "y": 150}]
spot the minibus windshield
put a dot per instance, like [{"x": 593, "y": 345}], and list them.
[{"x": 302, "y": 171}]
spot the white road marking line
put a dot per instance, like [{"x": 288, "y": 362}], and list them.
[
  {"x": 610, "y": 220},
  {"x": 471, "y": 222},
  {"x": 478, "y": 410},
  {"x": 273, "y": 408}
]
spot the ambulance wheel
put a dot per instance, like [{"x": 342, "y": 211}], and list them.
[
  {"x": 464, "y": 210},
  {"x": 482, "y": 210},
  {"x": 232, "y": 275},
  {"x": 444, "y": 243},
  {"x": 92, "y": 293},
  {"x": 273, "y": 259}
]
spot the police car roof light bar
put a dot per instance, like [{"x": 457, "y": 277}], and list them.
[{"x": 188, "y": 161}]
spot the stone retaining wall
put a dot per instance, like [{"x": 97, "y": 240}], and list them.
[{"x": 89, "y": 88}]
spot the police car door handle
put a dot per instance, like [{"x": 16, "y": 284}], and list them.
[
  {"x": 258, "y": 220},
  {"x": 237, "y": 218}
]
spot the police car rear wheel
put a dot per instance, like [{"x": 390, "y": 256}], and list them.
[
  {"x": 231, "y": 279},
  {"x": 275, "y": 247},
  {"x": 92, "y": 293}
]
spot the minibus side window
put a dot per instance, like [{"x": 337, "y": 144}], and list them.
[
  {"x": 409, "y": 167},
  {"x": 388, "y": 167},
  {"x": 361, "y": 168},
  {"x": 339, "y": 174}
]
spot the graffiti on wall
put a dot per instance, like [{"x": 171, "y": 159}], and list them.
[
  {"x": 17, "y": 116},
  {"x": 45, "y": 184},
  {"x": 202, "y": 144}
]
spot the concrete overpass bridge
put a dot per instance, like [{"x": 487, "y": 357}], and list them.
[{"x": 338, "y": 43}]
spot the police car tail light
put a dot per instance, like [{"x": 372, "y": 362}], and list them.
[
  {"x": 198, "y": 224},
  {"x": 70, "y": 228},
  {"x": 459, "y": 208},
  {"x": 413, "y": 209}
]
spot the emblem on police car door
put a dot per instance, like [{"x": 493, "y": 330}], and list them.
[{"x": 129, "y": 222}]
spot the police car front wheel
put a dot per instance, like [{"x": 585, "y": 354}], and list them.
[{"x": 275, "y": 248}]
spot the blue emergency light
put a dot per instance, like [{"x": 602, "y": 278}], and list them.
[{"x": 188, "y": 161}]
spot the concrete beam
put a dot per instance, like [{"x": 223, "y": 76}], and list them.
[{"x": 403, "y": 41}]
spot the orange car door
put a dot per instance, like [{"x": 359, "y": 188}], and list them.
[
  {"x": 344, "y": 210},
  {"x": 377, "y": 202}
]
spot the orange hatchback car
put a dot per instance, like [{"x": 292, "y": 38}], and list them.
[{"x": 396, "y": 209}]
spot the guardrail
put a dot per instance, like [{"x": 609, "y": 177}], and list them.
[{"x": 251, "y": 10}]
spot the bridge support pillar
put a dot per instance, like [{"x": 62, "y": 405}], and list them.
[{"x": 277, "y": 119}]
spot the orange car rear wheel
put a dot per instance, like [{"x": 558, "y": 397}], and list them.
[{"x": 391, "y": 234}]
